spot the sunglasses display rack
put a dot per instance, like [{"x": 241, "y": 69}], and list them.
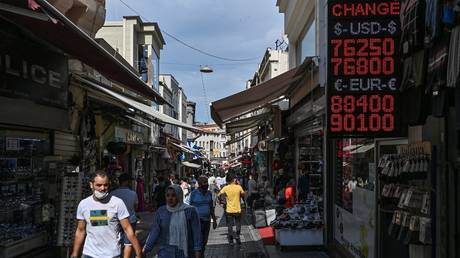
[
  {"x": 70, "y": 197},
  {"x": 406, "y": 192}
]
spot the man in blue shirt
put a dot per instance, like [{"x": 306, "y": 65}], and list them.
[{"x": 201, "y": 199}]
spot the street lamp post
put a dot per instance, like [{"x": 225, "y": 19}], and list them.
[{"x": 205, "y": 69}]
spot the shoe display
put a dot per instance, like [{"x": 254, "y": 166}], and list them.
[{"x": 307, "y": 215}]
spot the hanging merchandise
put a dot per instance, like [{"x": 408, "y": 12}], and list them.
[
  {"x": 406, "y": 192},
  {"x": 436, "y": 78},
  {"x": 70, "y": 197}
]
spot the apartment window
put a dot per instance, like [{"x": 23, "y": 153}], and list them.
[
  {"x": 155, "y": 69},
  {"x": 143, "y": 62},
  {"x": 306, "y": 46}
]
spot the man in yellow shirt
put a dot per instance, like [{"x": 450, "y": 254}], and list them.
[{"x": 233, "y": 193}]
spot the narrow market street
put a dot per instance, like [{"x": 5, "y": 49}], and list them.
[
  {"x": 218, "y": 246},
  {"x": 146, "y": 129}
]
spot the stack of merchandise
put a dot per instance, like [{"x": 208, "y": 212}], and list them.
[{"x": 306, "y": 215}]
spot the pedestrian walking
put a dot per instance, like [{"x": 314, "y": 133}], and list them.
[
  {"x": 214, "y": 191},
  {"x": 211, "y": 178},
  {"x": 289, "y": 194},
  {"x": 129, "y": 198},
  {"x": 201, "y": 199},
  {"x": 233, "y": 193},
  {"x": 176, "y": 228},
  {"x": 253, "y": 192},
  {"x": 160, "y": 191},
  {"x": 99, "y": 218},
  {"x": 264, "y": 185},
  {"x": 186, "y": 189}
]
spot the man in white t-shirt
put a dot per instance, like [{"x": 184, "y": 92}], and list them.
[
  {"x": 129, "y": 198},
  {"x": 99, "y": 218},
  {"x": 211, "y": 179},
  {"x": 220, "y": 181}
]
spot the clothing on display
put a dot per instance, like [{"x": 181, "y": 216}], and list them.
[
  {"x": 453, "y": 66},
  {"x": 412, "y": 26}
]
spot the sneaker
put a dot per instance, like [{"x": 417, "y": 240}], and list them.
[
  {"x": 238, "y": 241},
  {"x": 230, "y": 241}
]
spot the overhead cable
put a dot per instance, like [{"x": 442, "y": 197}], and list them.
[{"x": 188, "y": 45}]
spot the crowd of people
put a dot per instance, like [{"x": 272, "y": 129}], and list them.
[{"x": 184, "y": 213}]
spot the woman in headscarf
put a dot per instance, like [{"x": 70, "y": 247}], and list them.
[
  {"x": 176, "y": 228},
  {"x": 289, "y": 194}
]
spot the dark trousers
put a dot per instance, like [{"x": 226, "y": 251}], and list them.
[
  {"x": 234, "y": 219},
  {"x": 251, "y": 199},
  {"x": 205, "y": 227}
]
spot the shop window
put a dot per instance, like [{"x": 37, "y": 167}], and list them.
[
  {"x": 354, "y": 212},
  {"x": 143, "y": 62},
  {"x": 355, "y": 168}
]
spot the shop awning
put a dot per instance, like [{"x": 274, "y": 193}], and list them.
[
  {"x": 182, "y": 148},
  {"x": 241, "y": 137},
  {"x": 137, "y": 105},
  {"x": 246, "y": 123},
  {"x": 190, "y": 164},
  {"x": 253, "y": 98},
  {"x": 363, "y": 149},
  {"x": 48, "y": 24}
]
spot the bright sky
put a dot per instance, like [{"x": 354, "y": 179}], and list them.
[{"x": 237, "y": 29}]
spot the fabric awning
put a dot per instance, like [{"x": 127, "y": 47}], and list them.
[
  {"x": 182, "y": 148},
  {"x": 137, "y": 105},
  {"x": 363, "y": 149},
  {"x": 190, "y": 164},
  {"x": 56, "y": 29},
  {"x": 246, "y": 123},
  {"x": 239, "y": 138},
  {"x": 267, "y": 92}
]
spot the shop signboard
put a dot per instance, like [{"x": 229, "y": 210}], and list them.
[
  {"x": 30, "y": 71},
  {"x": 363, "y": 68},
  {"x": 128, "y": 136}
]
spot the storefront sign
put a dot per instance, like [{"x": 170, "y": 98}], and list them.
[
  {"x": 128, "y": 136},
  {"x": 30, "y": 71},
  {"x": 363, "y": 68}
]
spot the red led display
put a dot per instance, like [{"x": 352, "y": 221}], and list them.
[{"x": 363, "y": 68}]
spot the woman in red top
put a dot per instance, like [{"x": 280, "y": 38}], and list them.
[{"x": 289, "y": 194}]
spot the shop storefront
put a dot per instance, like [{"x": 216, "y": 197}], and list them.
[
  {"x": 34, "y": 82},
  {"x": 396, "y": 197},
  {"x": 302, "y": 153}
]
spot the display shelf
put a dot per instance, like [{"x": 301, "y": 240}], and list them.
[{"x": 16, "y": 248}]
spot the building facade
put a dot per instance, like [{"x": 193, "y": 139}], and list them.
[
  {"x": 213, "y": 141},
  {"x": 139, "y": 43}
]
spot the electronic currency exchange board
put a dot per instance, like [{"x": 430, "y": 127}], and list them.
[{"x": 363, "y": 68}]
